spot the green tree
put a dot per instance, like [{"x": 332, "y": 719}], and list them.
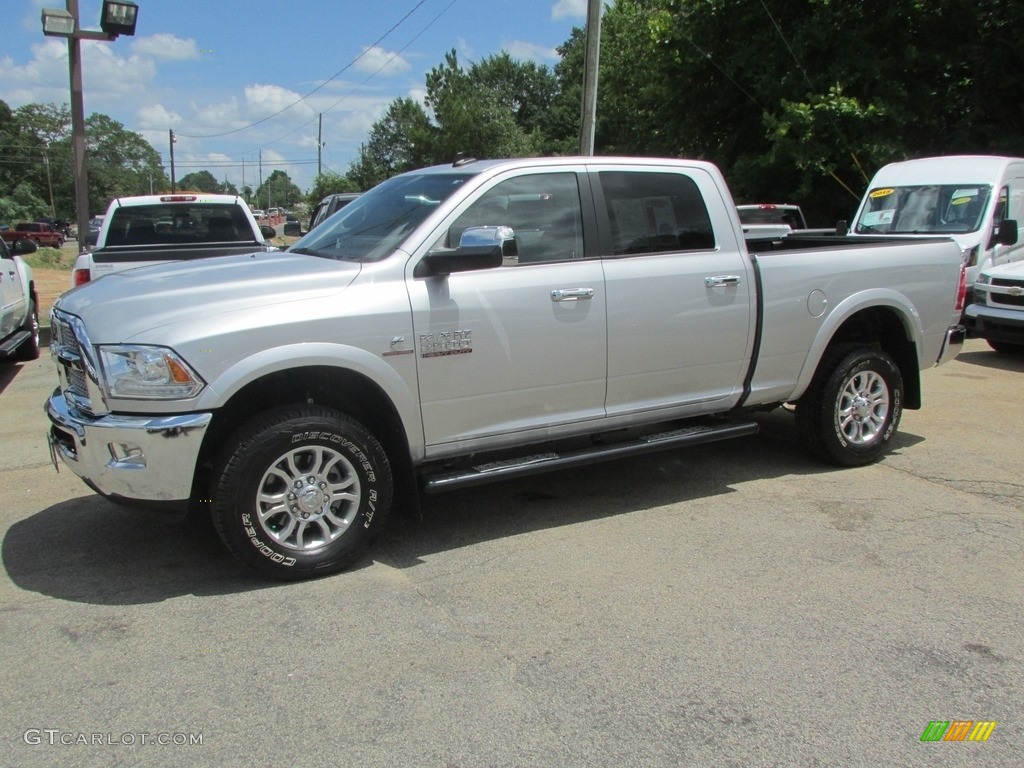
[
  {"x": 476, "y": 114},
  {"x": 328, "y": 184},
  {"x": 120, "y": 162},
  {"x": 277, "y": 191},
  {"x": 200, "y": 181},
  {"x": 398, "y": 142}
]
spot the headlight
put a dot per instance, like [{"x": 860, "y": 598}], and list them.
[
  {"x": 138, "y": 372},
  {"x": 983, "y": 279}
]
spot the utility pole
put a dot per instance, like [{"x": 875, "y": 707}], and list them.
[
  {"x": 170, "y": 134},
  {"x": 261, "y": 178},
  {"x": 588, "y": 108},
  {"x": 319, "y": 142}
]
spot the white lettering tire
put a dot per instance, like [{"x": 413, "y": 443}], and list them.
[
  {"x": 301, "y": 491},
  {"x": 853, "y": 407}
]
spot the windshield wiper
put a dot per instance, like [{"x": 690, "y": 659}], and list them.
[{"x": 306, "y": 252}]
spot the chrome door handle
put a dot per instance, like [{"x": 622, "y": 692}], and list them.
[
  {"x": 721, "y": 280},
  {"x": 572, "y": 294}
]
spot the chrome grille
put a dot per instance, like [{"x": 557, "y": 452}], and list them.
[
  {"x": 69, "y": 355},
  {"x": 1007, "y": 299}
]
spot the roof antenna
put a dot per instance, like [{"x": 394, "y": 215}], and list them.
[{"x": 461, "y": 160}]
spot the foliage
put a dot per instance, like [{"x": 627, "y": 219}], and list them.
[
  {"x": 277, "y": 191},
  {"x": 199, "y": 181},
  {"x": 398, "y": 142},
  {"x": 497, "y": 107},
  {"x": 329, "y": 184},
  {"x": 22, "y": 205},
  {"x": 35, "y": 149}
]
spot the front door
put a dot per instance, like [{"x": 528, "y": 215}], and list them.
[{"x": 515, "y": 352}]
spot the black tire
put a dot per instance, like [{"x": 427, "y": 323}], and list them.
[
  {"x": 272, "y": 503},
  {"x": 1005, "y": 347},
  {"x": 853, "y": 407},
  {"x": 29, "y": 350}
]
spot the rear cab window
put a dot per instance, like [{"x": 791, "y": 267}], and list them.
[
  {"x": 178, "y": 224},
  {"x": 655, "y": 212}
]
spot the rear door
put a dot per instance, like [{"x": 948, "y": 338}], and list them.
[
  {"x": 505, "y": 353},
  {"x": 680, "y": 296}
]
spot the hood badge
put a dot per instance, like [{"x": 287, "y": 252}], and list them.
[{"x": 396, "y": 347}]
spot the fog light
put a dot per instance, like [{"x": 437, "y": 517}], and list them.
[{"x": 126, "y": 456}]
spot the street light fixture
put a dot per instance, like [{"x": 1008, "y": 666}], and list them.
[
  {"x": 117, "y": 18},
  {"x": 58, "y": 22}
]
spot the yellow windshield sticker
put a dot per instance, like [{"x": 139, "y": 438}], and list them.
[
  {"x": 881, "y": 192},
  {"x": 961, "y": 201}
]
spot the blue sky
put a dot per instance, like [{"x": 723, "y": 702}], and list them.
[{"x": 215, "y": 71}]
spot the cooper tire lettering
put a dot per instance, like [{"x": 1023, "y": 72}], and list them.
[{"x": 301, "y": 491}]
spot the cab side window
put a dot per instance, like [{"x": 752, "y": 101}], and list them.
[
  {"x": 652, "y": 212},
  {"x": 543, "y": 210}
]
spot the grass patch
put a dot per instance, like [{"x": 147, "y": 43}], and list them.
[{"x": 51, "y": 258}]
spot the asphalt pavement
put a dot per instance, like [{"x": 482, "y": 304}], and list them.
[{"x": 734, "y": 605}]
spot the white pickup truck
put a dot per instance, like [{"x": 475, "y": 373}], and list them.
[
  {"x": 153, "y": 229},
  {"x": 19, "y": 304},
  {"x": 479, "y": 321}
]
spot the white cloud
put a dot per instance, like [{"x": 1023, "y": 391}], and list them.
[
  {"x": 524, "y": 51},
  {"x": 569, "y": 9},
  {"x": 164, "y": 46},
  {"x": 376, "y": 59},
  {"x": 156, "y": 116},
  {"x": 264, "y": 100}
]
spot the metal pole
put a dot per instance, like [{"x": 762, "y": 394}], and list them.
[
  {"x": 588, "y": 108},
  {"x": 170, "y": 135},
  {"x": 319, "y": 143},
  {"x": 81, "y": 178}
]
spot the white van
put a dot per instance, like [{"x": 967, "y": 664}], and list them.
[{"x": 975, "y": 199}]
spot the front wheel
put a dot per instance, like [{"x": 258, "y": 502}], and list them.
[
  {"x": 1005, "y": 347},
  {"x": 853, "y": 407},
  {"x": 29, "y": 350},
  {"x": 301, "y": 491}
]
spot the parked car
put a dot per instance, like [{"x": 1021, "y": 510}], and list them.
[
  {"x": 39, "y": 232},
  {"x": 772, "y": 213},
  {"x": 966, "y": 197},
  {"x": 997, "y": 312},
  {"x": 151, "y": 229},
  {"x": 95, "y": 225},
  {"x": 19, "y": 303},
  {"x": 329, "y": 206}
]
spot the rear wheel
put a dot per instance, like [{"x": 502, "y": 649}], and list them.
[
  {"x": 301, "y": 491},
  {"x": 853, "y": 407}
]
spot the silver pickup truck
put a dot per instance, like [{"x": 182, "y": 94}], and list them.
[{"x": 479, "y": 321}]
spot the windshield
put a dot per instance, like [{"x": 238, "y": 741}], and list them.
[
  {"x": 932, "y": 208},
  {"x": 371, "y": 226}
]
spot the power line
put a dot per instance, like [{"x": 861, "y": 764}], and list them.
[{"x": 325, "y": 82}]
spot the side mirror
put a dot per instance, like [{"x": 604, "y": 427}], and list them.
[
  {"x": 292, "y": 229},
  {"x": 479, "y": 248},
  {"x": 25, "y": 246},
  {"x": 842, "y": 227},
  {"x": 1005, "y": 234},
  {"x": 269, "y": 233}
]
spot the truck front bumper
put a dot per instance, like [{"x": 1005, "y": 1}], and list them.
[
  {"x": 135, "y": 458},
  {"x": 1006, "y": 325}
]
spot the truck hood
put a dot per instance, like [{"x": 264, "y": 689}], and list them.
[{"x": 124, "y": 304}]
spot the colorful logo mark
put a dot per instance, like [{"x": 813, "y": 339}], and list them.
[{"x": 958, "y": 730}]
